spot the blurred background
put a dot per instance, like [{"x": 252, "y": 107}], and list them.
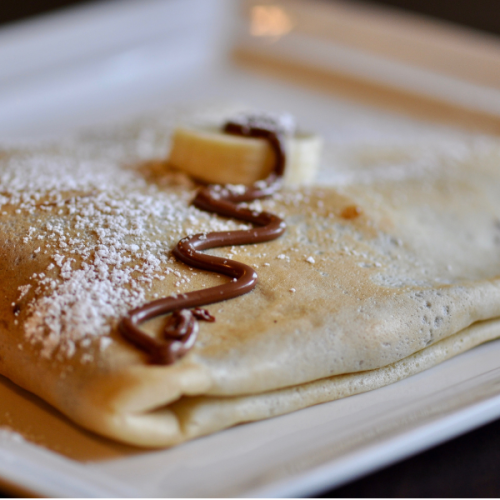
[
  {"x": 435, "y": 60},
  {"x": 478, "y": 14}
]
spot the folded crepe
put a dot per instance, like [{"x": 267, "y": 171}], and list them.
[{"x": 383, "y": 272}]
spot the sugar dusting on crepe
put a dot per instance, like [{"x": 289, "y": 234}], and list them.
[
  {"x": 88, "y": 226},
  {"x": 88, "y": 187},
  {"x": 100, "y": 218}
]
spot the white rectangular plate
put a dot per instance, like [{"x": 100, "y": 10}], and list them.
[{"x": 109, "y": 62}]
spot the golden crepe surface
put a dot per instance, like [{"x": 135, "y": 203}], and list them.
[{"x": 343, "y": 304}]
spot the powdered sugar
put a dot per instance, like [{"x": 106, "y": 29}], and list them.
[{"x": 107, "y": 230}]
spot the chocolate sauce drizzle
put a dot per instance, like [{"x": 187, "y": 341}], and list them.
[{"x": 181, "y": 329}]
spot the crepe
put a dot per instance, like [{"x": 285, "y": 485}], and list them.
[{"x": 385, "y": 270}]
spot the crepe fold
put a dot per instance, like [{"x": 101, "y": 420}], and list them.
[{"x": 347, "y": 300}]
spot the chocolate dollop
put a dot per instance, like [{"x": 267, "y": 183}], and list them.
[{"x": 181, "y": 329}]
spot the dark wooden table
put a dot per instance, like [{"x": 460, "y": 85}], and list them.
[{"x": 467, "y": 466}]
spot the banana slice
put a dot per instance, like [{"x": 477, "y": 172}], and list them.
[{"x": 211, "y": 156}]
